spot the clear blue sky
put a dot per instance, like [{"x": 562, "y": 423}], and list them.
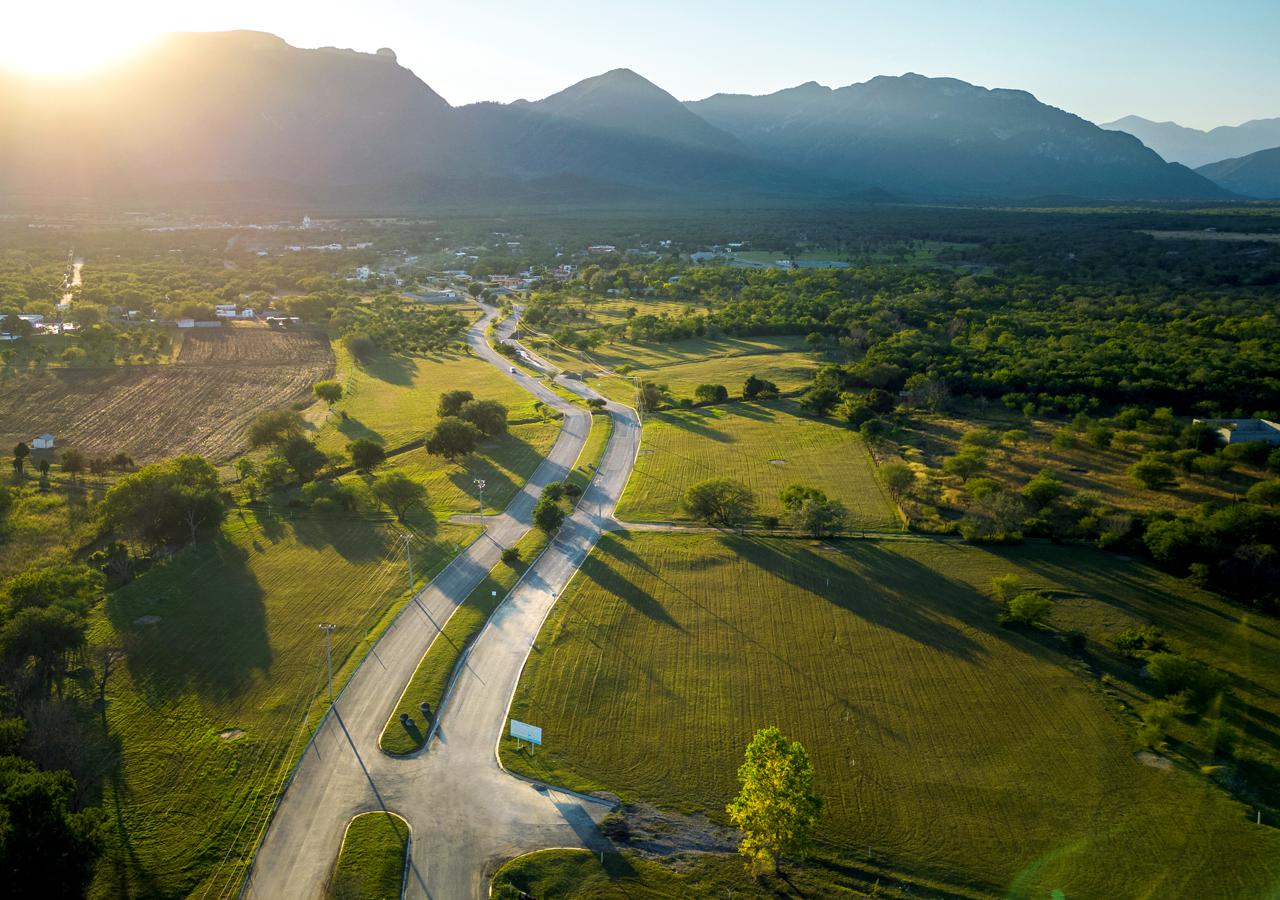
[{"x": 1198, "y": 63}]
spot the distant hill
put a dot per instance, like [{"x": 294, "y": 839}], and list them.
[
  {"x": 243, "y": 115},
  {"x": 1193, "y": 147},
  {"x": 1255, "y": 175},
  {"x": 947, "y": 138}
]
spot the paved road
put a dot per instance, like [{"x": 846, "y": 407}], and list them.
[{"x": 466, "y": 813}]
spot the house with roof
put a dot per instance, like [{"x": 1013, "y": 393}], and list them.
[{"x": 1242, "y": 431}]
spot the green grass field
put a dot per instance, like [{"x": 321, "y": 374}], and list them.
[
  {"x": 223, "y": 679},
  {"x": 371, "y": 864},
  {"x": 764, "y": 445},
  {"x": 592, "y": 451},
  {"x": 947, "y": 748},
  {"x": 393, "y": 399},
  {"x": 574, "y": 874}
]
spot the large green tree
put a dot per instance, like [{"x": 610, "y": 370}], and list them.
[
  {"x": 776, "y": 808},
  {"x": 720, "y": 501},
  {"x": 166, "y": 502},
  {"x": 453, "y": 438}
]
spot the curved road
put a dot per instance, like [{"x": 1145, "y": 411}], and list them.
[{"x": 467, "y": 814}]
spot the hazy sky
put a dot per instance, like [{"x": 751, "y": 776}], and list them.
[{"x": 1201, "y": 64}]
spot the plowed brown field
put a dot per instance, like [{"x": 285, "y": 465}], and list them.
[{"x": 200, "y": 404}]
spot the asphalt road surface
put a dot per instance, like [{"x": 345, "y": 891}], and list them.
[{"x": 467, "y": 814}]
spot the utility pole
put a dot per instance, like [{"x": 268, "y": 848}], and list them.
[
  {"x": 328, "y": 656},
  {"x": 479, "y": 482}
]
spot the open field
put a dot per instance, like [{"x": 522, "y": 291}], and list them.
[
  {"x": 223, "y": 678},
  {"x": 764, "y": 445},
  {"x": 965, "y": 755},
  {"x": 201, "y": 404},
  {"x": 44, "y": 527},
  {"x": 393, "y": 399},
  {"x": 371, "y": 865}
]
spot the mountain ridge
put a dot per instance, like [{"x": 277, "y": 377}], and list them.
[
  {"x": 247, "y": 108},
  {"x": 1195, "y": 147}
]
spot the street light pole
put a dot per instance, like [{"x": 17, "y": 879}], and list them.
[
  {"x": 479, "y": 483},
  {"x": 328, "y": 656}
]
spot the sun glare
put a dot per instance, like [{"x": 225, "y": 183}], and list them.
[{"x": 68, "y": 39}]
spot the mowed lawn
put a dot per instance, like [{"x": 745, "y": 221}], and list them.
[
  {"x": 765, "y": 446},
  {"x": 223, "y": 679},
  {"x": 394, "y": 400},
  {"x": 967, "y": 755}
]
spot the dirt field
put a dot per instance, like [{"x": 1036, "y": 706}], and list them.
[{"x": 200, "y": 404}]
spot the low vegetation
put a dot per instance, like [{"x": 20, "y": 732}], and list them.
[{"x": 371, "y": 864}]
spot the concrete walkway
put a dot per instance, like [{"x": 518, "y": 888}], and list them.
[{"x": 466, "y": 813}]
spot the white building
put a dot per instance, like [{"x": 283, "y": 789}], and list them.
[
  {"x": 362, "y": 273},
  {"x": 225, "y": 310},
  {"x": 44, "y": 442}
]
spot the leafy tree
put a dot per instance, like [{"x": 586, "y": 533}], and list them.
[
  {"x": 720, "y": 501},
  {"x": 73, "y": 462},
  {"x": 776, "y": 808},
  {"x": 653, "y": 396},
  {"x": 400, "y": 493},
  {"x": 880, "y": 401},
  {"x": 451, "y": 403},
  {"x": 711, "y": 393},
  {"x": 303, "y": 456},
  {"x": 794, "y": 496},
  {"x": 72, "y": 586},
  {"x": 966, "y": 463},
  {"x": 453, "y": 438},
  {"x": 46, "y": 850},
  {"x": 166, "y": 502},
  {"x": 757, "y": 388},
  {"x": 1152, "y": 473},
  {"x": 555, "y": 490},
  {"x": 819, "y": 401},
  {"x": 365, "y": 454},
  {"x": 819, "y": 518},
  {"x": 994, "y": 518},
  {"x": 489, "y": 416},
  {"x": 20, "y": 453},
  {"x": 328, "y": 391},
  {"x": 548, "y": 514},
  {"x": 1265, "y": 493},
  {"x": 898, "y": 477},
  {"x": 1044, "y": 488},
  {"x": 1028, "y": 608},
  {"x": 43, "y": 640},
  {"x": 274, "y": 426}
]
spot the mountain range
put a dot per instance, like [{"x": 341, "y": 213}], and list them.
[
  {"x": 243, "y": 115},
  {"x": 1193, "y": 147},
  {"x": 1255, "y": 175}
]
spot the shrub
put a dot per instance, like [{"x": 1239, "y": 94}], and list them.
[
  {"x": 511, "y": 555},
  {"x": 489, "y": 416},
  {"x": 1251, "y": 453},
  {"x": 328, "y": 391},
  {"x": 1028, "y": 608},
  {"x": 965, "y": 464},
  {"x": 1265, "y": 493},
  {"x": 1044, "y": 488},
  {"x": 981, "y": 437},
  {"x": 1006, "y": 587},
  {"x": 1174, "y": 674},
  {"x": 756, "y": 388},
  {"x": 548, "y": 515},
  {"x": 898, "y": 478},
  {"x": 451, "y": 403},
  {"x": 453, "y": 438},
  {"x": 554, "y": 491},
  {"x": 711, "y": 393},
  {"x": 1137, "y": 641},
  {"x": 572, "y": 490},
  {"x": 365, "y": 454},
  {"x": 275, "y": 426},
  {"x": 360, "y": 345},
  {"x": 1151, "y": 472}
]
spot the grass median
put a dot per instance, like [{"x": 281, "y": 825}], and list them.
[{"x": 371, "y": 863}]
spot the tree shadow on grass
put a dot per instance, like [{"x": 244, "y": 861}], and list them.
[
  {"x": 398, "y": 370},
  {"x": 356, "y": 540},
  {"x": 692, "y": 421},
  {"x": 892, "y": 591},
  {"x": 211, "y": 634},
  {"x": 752, "y": 411},
  {"x": 613, "y": 582},
  {"x": 353, "y": 429}
]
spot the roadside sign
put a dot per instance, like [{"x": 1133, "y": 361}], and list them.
[{"x": 523, "y": 731}]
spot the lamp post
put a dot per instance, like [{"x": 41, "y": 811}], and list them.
[
  {"x": 479, "y": 483},
  {"x": 328, "y": 657}
]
